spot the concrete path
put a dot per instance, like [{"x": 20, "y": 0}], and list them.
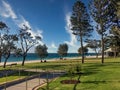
[{"x": 30, "y": 84}]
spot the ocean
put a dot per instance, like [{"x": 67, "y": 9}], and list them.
[{"x": 34, "y": 56}]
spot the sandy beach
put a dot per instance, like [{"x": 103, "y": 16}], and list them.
[{"x": 48, "y": 60}]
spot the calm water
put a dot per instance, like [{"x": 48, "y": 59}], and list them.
[{"x": 33, "y": 56}]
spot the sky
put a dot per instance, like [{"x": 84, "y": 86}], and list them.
[{"x": 49, "y": 19}]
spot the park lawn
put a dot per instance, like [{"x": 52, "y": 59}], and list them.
[{"x": 95, "y": 76}]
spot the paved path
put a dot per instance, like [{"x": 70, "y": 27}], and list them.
[{"x": 33, "y": 82}]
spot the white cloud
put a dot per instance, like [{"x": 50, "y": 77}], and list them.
[
  {"x": 73, "y": 40},
  {"x": 53, "y": 45},
  {"x": 52, "y": 48},
  {"x": 22, "y": 21},
  {"x": 7, "y": 11}
]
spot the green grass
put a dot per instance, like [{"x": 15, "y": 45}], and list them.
[{"x": 96, "y": 76}]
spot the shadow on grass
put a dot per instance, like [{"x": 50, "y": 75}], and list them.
[
  {"x": 74, "y": 88},
  {"x": 95, "y": 82},
  {"x": 99, "y": 82},
  {"x": 47, "y": 67},
  {"x": 87, "y": 72}
]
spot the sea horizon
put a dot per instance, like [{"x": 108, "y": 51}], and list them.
[{"x": 34, "y": 56}]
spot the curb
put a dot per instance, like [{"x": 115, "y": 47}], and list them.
[
  {"x": 43, "y": 84},
  {"x": 17, "y": 81}
]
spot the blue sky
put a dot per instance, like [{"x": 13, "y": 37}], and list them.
[{"x": 48, "y": 18}]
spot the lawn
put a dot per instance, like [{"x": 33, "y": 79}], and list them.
[{"x": 96, "y": 76}]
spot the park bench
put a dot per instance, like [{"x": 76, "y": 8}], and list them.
[{"x": 12, "y": 64}]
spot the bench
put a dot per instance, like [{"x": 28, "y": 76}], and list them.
[{"x": 12, "y": 64}]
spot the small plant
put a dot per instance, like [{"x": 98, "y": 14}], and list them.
[
  {"x": 47, "y": 82},
  {"x": 78, "y": 69},
  {"x": 71, "y": 72}
]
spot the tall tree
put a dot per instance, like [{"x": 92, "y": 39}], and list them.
[
  {"x": 27, "y": 41},
  {"x": 3, "y": 30},
  {"x": 41, "y": 50},
  {"x": 103, "y": 13},
  {"x": 62, "y": 50},
  {"x": 8, "y": 46},
  {"x": 80, "y": 21},
  {"x": 116, "y": 6}
]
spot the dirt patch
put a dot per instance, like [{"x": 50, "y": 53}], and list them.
[{"x": 70, "y": 81}]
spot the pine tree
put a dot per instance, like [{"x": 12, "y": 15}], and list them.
[
  {"x": 104, "y": 14},
  {"x": 80, "y": 21}
]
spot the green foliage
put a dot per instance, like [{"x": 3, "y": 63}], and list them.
[
  {"x": 27, "y": 41},
  {"x": 41, "y": 50},
  {"x": 17, "y": 52},
  {"x": 3, "y": 26},
  {"x": 71, "y": 72},
  {"x": 85, "y": 50},
  {"x": 104, "y": 14},
  {"x": 94, "y": 45},
  {"x": 80, "y": 21},
  {"x": 62, "y": 50},
  {"x": 3, "y": 30},
  {"x": 78, "y": 68},
  {"x": 8, "y": 46}
]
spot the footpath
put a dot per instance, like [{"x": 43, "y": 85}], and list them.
[{"x": 31, "y": 83}]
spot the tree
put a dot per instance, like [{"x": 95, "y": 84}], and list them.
[
  {"x": 85, "y": 49},
  {"x": 80, "y": 21},
  {"x": 118, "y": 9},
  {"x": 94, "y": 44},
  {"x": 62, "y": 50},
  {"x": 116, "y": 6},
  {"x": 3, "y": 30},
  {"x": 103, "y": 13},
  {"x": 114, "y": 39},
  {"x": 8, "y": 46},
  {"x": 113, "y": 42},
  {"x": 41, "y": 50},
  {"x": 27, "y": 41}
]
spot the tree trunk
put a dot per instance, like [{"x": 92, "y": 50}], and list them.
[
  {"x": 82, "y": 51},
  {"x": 102, "y": 49},
  {"x": 0, "y": 59},
  {"x": 41, "y": 60},
  {"x": 24, "y": 58},
  {"x": 6, "y": 61},
  {"x": 115, "y": 52}
]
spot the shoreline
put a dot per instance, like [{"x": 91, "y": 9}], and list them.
[{"x": 48, "y": 60}]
